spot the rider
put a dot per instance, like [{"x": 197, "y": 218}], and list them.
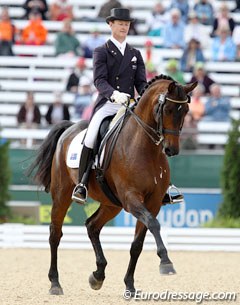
[{"x": 118, "y": 70}]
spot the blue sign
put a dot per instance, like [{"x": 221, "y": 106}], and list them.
[{"x": 194, "y": 211}]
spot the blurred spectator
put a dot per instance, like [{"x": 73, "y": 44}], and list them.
[
  {"x": 237, "y": 8},
  {"x": 105, "y": 9},
  {"x": 192, "y": 54},
  {"x": 194, "y": 29},
  {"x": 39, "y": 5},
  {"x": 88, "y": 110},
  {"x": 66, "y": 42},
  {"x": 93, "y": 41},
  {"x": 7, "y": 33},
  {"x": 236, "y": 40},
  {"x": 189, "y": 133},
  {"x": 223, "y": 47},
  {"x": 183, "y": 7},
  {"x": 217, "y": 107},
  {"x": 196, "y": 106},
  {"x": 83, "y": 97},
  {"x": 151, "y": 70},
  {"x": 157, "y": 20},
  {"x": 204, "y": 11},
  {"x": 173, "y": 34},
  {"x": 29, "y": 115},
  {"x": 174, "y": 72},
  {"x": 200, "y": 75},
  {"x": 223, "y": 20},
  {"x": 35, "y": 32},
  {"x": 60, "y": 10},
  {"x": 57, "y": 111},
  {"x": 74, "y": 78}
]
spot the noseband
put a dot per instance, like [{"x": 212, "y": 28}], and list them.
[{"x": 159, "y": 131}]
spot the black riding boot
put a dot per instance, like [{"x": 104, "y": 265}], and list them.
[{"x": 80, "y": 192}]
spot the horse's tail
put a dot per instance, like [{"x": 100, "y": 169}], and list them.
[{"x": 41, "y": 166}]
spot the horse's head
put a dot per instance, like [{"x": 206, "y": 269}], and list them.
[
  {"x": 170, "y": 108},
  {"x": 161, "y": 111}
]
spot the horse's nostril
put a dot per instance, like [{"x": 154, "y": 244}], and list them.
[
  {"x": 168, "y": 151},
  {"x": 171, "y": 151}
]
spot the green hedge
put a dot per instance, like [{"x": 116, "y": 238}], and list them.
[
  {"x": 230, "y": 178},
  {"x": 4, "y": 180}
]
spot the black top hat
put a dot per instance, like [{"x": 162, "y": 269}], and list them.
[{"x": 119, "y": 14}]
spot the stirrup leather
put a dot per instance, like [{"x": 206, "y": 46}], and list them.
[
  {"x": 173, "y": 200},
  {"x": 74, "y": 197}
]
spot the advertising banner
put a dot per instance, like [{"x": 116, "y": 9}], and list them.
[{"x": 196, "y": 209}]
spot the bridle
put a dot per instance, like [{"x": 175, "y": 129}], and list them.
[
  {"x": 159, "y": 112},
  {"x": 157, "y": 135}
]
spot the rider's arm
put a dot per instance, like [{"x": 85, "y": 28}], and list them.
[{"x": 100, "y": 73}]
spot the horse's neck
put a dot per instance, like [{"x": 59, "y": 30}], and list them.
[
  {"x": 137, "y": 134},
  {"x": 144, "y": 111}
]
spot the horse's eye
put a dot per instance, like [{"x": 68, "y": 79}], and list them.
[{"x": 167, "y": 111}]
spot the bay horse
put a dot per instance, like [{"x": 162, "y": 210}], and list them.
[{"x": 138, "y": 175}]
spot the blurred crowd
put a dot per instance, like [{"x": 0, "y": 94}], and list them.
[{"x": 178, "y": 25}]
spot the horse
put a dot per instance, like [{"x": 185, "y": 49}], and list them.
[{"x": 138, "y": 175}]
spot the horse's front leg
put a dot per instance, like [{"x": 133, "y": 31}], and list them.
[
  {"x": 94, "y": 225},
  {"x": 135, "y": 207},
  {"x": 135, "y": 251}
]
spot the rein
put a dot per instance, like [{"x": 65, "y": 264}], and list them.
[
  {"x": 160, "y": 131},
  {"x": 146, "y": 127}
]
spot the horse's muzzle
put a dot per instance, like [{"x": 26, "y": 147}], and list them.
[{"x": 171, "y": 151}]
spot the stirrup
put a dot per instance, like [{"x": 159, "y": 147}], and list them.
[
  {"x": 79, "y": 199},
  {"x": 175, "y": 198}
]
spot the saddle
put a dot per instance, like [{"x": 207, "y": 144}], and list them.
[{"x": 104, "y": 128}]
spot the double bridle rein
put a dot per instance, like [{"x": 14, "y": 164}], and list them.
[{"x": 157, "y": 135}]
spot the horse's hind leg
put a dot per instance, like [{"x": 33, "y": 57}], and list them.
[
  {"x": 135, "y": 251},
  {"x": 94, "y": 225},
  {"x": 61, "y": 203}
]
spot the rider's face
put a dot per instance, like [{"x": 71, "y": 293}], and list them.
[{"x": 119, "y": 29}]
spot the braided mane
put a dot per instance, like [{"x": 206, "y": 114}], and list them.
[{"x": 149, "y": 83}]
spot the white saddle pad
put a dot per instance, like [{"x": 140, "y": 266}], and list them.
[
  {"x": 75, "y": 150},
  {"x": 75, "y": 147}
]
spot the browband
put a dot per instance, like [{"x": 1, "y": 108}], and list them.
[{"x": 175, "y": 101}]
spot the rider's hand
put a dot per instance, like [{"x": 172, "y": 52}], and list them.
[{"x": 120, "y": 97}]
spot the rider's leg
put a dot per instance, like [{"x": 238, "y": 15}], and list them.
[
  {"x": 80, "y": 191},
  {"x": 85, "y": 165}
]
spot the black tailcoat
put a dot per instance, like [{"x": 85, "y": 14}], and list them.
[{"x": 113, "y": 71}]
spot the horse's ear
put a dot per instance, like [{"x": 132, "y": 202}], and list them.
[
  {"x": 171, "y": 86},
  {"x": 189, "y": 87}
]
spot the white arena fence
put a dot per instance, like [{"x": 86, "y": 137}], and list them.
[{"x": 120, "y": 238}]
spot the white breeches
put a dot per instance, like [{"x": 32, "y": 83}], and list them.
[{"x": 94, "y": 125}]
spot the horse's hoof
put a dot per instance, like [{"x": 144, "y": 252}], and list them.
[
  {"x": 94, "y": 283},
  {"x": 56, "y": 291},
  {"x": 167, "y": 269}
]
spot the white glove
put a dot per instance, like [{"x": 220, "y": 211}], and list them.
[{"x": 120, "y": 97}]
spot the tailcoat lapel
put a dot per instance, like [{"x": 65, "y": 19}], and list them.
[{"x": 113, "y": 50}]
